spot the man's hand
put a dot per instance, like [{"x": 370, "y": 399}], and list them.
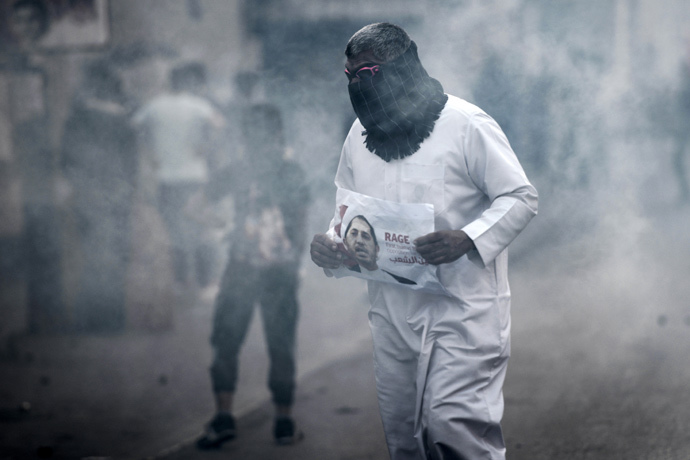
[
  {"x": 444, "y": 247},
  {"x": 324, "y": 252}
]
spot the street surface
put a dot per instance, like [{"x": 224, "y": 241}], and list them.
[{"x": 599, "y": 370}]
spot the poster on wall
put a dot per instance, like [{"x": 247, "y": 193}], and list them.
[{"x": 53, "y": 25}]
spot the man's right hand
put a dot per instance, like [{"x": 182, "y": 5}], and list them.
[{"x": 324, "y": 252}]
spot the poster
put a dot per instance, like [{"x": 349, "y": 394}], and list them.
[
  {"x": 376, "y": 238},
  {"x": 45, "y": 25}
]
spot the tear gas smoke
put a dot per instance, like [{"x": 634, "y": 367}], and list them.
[{"x": 587, "y": 92}]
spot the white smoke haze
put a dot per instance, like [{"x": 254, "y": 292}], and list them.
[
  {"x": 587, "y": 93},
  {"x": 599, "y": 274}
]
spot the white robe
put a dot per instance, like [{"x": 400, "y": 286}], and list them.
[{"x": 440, "y": 361}]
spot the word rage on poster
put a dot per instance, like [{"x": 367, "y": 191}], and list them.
[
  {"x": 376, "y": 238},
  {"x": 45, "y": 25}
]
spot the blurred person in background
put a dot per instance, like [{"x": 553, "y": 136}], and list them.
[
  {"x": 230, "y": 147},
  {"x": 440, "y": 361},
  {"x": 178, "y": 128},
  {"x": 42, "y": 236},
  {"x": 99, "y": 160},
  {"x": 246, "y": 84},
  {"x": 266, "y": 244}
]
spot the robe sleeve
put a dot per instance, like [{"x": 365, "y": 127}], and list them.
[{"x": 496, "y": 171}]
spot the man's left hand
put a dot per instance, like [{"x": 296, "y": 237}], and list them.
[{"x": 444, "y": 246}]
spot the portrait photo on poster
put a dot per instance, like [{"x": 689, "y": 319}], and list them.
[
  {"x": 53, "y": 25},
  {"x": 376, "y": 238}
]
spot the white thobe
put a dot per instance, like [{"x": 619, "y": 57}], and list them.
[{"x": 440, "y": 361}]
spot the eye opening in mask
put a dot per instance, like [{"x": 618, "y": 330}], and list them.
[{"x": 363, "y": 73}]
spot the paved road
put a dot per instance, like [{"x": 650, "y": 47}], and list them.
[
  {"x": 136, "y": 395},
  {"x": 600, "y": 370}
]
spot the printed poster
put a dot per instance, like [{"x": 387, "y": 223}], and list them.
[{"x": 376, "y": 239}]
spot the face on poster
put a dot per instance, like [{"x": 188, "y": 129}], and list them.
[{"x": 376, "y": 238}]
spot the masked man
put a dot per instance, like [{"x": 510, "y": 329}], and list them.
[{"x": 440, "y": 361}]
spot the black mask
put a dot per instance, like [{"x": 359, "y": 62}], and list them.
[{"x": 398, "y": 106}]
